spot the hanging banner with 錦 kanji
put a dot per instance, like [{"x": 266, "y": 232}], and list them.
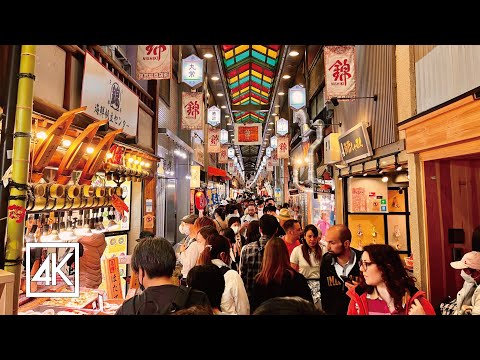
[
  {"x": 214, "y": 145},
  {"x": 340, "y": 72},
  {"x": 270, "y": 164},
  {"x": 283, "y": 147},
  {"x": 192, "y": 111},
  {"x": 154, "y": 62},
  {"x": 274, "y": 158},
  {"x": 223, "y": 155},
  {"x": 248, "y": 134}
]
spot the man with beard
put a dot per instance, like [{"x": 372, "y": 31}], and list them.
[{"x": 339, "y": 270}]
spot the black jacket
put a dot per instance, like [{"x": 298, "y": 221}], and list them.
[
  {"x": 157, "y": 300},
  {"x": 290, "y": 286},
  {"x": 332, "y": 288}
]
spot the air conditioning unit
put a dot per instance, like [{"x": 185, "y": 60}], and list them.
[{"x": 331, "y": 149}]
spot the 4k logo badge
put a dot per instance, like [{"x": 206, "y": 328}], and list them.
[{"x": 51, "y": 267}]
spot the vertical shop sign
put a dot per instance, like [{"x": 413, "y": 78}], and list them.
[
  {"x": 283, "y": 147},
  {"x": 213, "y": 116},
  {"x": 192, "y": 111},
  {"x": 195, "y": 176},
  {"x": 154, "y": 62},
  {"x": 269, "y": 164},
  {"x": 296, "y": 97},
  {"x": 192, "y": 70},
  {"x": 198, "y": 153},
  {"x": 223, "y": 155},
  {"x": 340, "y": 71},
  {"x": 274, "y": 158},
  {"x": 106, "y": 97},
  {"x": 214, "y": 141},
  {"x": 230, "y": 166},
  {"x": 114, "y": 288}
]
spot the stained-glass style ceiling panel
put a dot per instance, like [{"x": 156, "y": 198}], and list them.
[
  {"x": 250, "y": 70},
  {"x": 249, "y": 116}
]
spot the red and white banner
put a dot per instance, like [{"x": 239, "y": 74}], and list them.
[
  {"x": 214, "y": 145},
  {"x": 274, "y": 158},
  {"x": 223, "y": 155},
  {"x": 248, "y": 134},
  {"x": 340, "y": 71},
  {"x": 283, "y": 147},
  {"x": 192, "y": 111},
  {"x": 269, "y": 164},
  {"x": 154, "y": 62},
  {"x": 230, "y": 166}
]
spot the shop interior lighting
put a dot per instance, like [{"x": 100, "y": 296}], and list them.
[
  {"x": 286, "y": 77},
  {"x": 90, "y": 150},
  {"x": 109, "y": 155},
  {"x": 215, "y": 78},
  {"x": 385, "y": 179},
  {"x": 66, "y": 143},
  {"x": 281, "y": 93},
  {"x": 142, "y": 163},
  {"x": 293, "y": 53},
  {"x": 208, "y": 55},
  {"x": 378, "y": 167},
  {"x": 147, "y": 164},
  {"x": 41, "y": 135},
  {"x": 363, "y": 170},
  {"x": 131, "y": 160}
]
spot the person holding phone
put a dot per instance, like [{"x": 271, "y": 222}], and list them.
[
  {"x": 340, "y": 260},
  {"x": 385, "y": 287}
]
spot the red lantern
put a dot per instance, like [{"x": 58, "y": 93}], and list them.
[{"x": 200, "y": 200}]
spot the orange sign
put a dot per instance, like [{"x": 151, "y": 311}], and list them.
[
  {"x": 148, "y": 221},
  {"x": 247, "y": 134},
  {"x": 114, "y": 287}
]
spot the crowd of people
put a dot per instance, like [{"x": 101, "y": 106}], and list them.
[{"x": 250, "y": 257}]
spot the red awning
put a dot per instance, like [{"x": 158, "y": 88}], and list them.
[{"x": 213, "y": 171}]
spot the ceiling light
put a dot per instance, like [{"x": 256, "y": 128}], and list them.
[
  {"x": 277, "y": 106},
  {"x": 208, "y": 55},
  {"x": 274, "y": 114},
  {"x": 293, "y": 53},
  {"x": 286, "y": 76},
  {"x": 41, "y": 135},
  {"x": 271, "y": 123},
  {"x": 385, "y": 179},
  {"x": 223, "y": 106},
  {"x": 219, "y": 94},
  {"x": 215, "y": 78},
  {"x": 66, "y": 143},
  {"x": 227, "y": 116},
  {"x": 90, "y": 150},
  {"x": 281, "y": 93}
]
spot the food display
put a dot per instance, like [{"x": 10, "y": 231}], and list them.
[
  {"x": 57, "y": 310},
  {"x": 85, "y": 298},
  {"x": 111, "y": 306}
]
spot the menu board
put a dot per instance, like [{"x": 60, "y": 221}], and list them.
[{"x": 367, "y": 195}]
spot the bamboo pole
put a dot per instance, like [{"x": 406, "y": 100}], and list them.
[{"x": 20, "y": 164}]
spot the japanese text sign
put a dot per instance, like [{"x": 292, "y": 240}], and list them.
[
  {"x": 355, "y": 144},
  {"x": 192, "y": 111},
  {"x": 223, "y": 155},
  {"x": 154, "y": 62},
  {"x": 340, "y": 72},
  {"x": 250, "y": 134},
  {"x": 213, "y": 116},
  {"x": 192, "y": 70},
  {"x": 106, "y": 97},
  {"x": 214, "y": 141},
  {"x": 283, "y": 147}
]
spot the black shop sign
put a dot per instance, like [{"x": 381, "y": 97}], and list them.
[{"x": 355, "y": 144}]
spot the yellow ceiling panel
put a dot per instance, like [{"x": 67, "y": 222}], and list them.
[
  {"x": 257, "y": 74},
  {"x": 260, "y": 49},
  {"x": 272, "y": 53},
  {"x": 264, "y": 94},
  {"x": 232, "y": 80},
  {"x": 244, "y": 90},
  {"x": 245, "y": 73},
  {"x": 266, "y": 78},
  {"x": 244, "y": 100},
  {"x": 228, "y": 54},
  {"x": 240, "y": 49},
  {"x": 235, "y": 94}
]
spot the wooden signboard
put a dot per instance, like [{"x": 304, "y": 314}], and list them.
[
  {"x": 355, "y": 144},
  {"x": 114, "y": 287}
]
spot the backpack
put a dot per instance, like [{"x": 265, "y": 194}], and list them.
[
  {"x": 179, "y": 302},
  {"x": 224, "y": 269}
]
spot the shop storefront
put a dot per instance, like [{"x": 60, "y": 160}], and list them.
[{"x": 446, "y": 145}]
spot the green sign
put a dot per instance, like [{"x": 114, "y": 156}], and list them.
[{"x": 355, "y": 144}]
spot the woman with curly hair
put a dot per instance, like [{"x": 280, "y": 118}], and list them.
[{"x": 385, "y": 288}]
